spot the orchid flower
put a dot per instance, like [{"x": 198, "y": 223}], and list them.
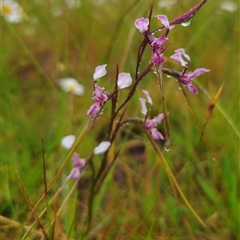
[
  {"x": 99, "y": 98},
  {"x": 187, "y": 78},
  {"x": 156, "y": 44},
  {"x": 78, "y": 165},
  {"x": 150, "y": 124}
]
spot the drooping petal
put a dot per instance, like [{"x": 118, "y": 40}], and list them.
[
  {"x": 102, "y": 147},
  {"x": 149, "y": 99},
  {"x": 68, "y": 141},
  {"x": 124, "y": 80},
  {"x": 156, "y": 134},
  {"x": 150, "y": 123},
  {"x": 100, "y": 71},
  {"x": 143, "y": 104},
  {"x": 192, "y": 88},
  {"x": 164, "y": 21},
  {"x": 142, "y": 25}
]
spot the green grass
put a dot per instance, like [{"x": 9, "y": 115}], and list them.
[{"x": 136, "y": 200}]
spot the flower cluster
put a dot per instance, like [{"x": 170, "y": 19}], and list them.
[
  {"x": 157, "y": 47},
  {"x": 156, "y": 44},
  {"x": 100, "y": 97}
]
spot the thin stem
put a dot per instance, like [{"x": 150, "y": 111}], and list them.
[
  {"x": 172, "y": 178},
  {"x": 164, "y": 106},
  {"x": 79, "y": 140},
  {"x": 44, "y": 168}
]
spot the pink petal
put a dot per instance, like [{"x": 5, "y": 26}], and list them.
[
  {"x": 74, "y": 174},
  {"x": 192, "y": 88},
  {"x": 94, "y": 109},
  {"x": 197, "y": 72},
  {"x": 99, "y": 96},
  {"x": 158, "y": 58},
  {"x": 78, "y": 162},
  {"x": 143, "y": 104},
  {"x": 157, "y": 43},
  {"x": 151, "y": 123},
  {"x": 164, "y": 21},
  {"x": 156, "y": 134},
  {"x": 159, "y": 117}
]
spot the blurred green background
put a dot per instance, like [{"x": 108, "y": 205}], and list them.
[{"x": 136, "y": 200}]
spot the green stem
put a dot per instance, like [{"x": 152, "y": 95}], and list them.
[{"x": 172, "y": 178}]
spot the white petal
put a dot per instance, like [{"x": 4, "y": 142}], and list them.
[
  {"x": 100, "y": 71},
  {"x": 143, "y": 104},
  {"x": 71, "y": 85},
  {"x": 124, "y": 80},
  {"x": 68, "y": 141},
  {"x": 102, "y": 147},
  {"x": 149, "y": 99},
  {"x": 229, "y": 6}
]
